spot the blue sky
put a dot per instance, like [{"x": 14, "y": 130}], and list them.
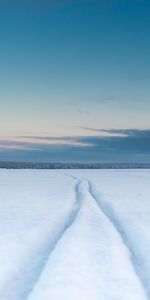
[{"x": 71, "y": 73}]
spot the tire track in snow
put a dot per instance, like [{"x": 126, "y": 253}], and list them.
[
  {"x": 29, "y": 263},
  {"x": 80, "y": 267},
  {"x": 109, "y": 213}
]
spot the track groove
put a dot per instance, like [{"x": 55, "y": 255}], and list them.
[
  {"x": 68, "y": 224},
  {"x": 22, "y": 283},
  {"x": 22, "y": 287},
  {"x": 109, "y": 213}
]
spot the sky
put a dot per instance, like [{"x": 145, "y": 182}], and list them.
[{"x": 75, "y": 80}]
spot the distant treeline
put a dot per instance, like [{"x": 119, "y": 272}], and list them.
[{"x": 57, "y": 165}]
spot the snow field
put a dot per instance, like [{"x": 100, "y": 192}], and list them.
[{"x": 74, "y": 235}]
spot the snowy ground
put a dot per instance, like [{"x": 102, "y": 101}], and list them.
[{"x": 74, "y": 235}]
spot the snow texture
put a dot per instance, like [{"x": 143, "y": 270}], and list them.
[{"x": 74, "y": 234}]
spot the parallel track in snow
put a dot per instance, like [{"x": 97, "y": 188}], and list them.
[
  {"x": 22, "y": 283},
  {"x": 107, "y": 210},
  {"x": 67, "y": 224},
  {"x": 20, "y": 286},
  {"x": 93, "y": 215},
  {"x": 109, "y": 213}
]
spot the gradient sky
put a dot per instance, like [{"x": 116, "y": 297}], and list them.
[{"x": 75, "y": 80}]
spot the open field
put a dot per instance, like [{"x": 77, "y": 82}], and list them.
[{"x": 74, "y": 234}]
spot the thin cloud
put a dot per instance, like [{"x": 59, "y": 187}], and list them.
[
  {"x": 132, "y": 145},
  {"x": 122, "y": 132}
]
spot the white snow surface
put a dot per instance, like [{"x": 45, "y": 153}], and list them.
[{"x": 74, "y": 235}]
